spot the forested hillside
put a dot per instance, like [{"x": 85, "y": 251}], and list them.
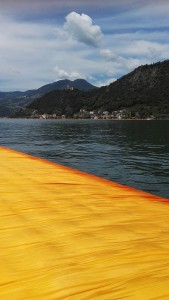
[{"x": 143, "y": 92}]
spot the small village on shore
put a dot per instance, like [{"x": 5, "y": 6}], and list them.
[
  {"x": 94, "y": 115},
  {"x": 84, "y": 114}
]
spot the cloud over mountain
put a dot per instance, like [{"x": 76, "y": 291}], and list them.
[
  {"x": 62, "y": 74},
  {"x": 103, "y": 43},
  {"x": 128, "y": 63}
]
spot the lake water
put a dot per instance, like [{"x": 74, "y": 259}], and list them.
[{"x": 134, "y": 153}]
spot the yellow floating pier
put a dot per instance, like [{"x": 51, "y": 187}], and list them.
[{"x": 68, "y": 235}]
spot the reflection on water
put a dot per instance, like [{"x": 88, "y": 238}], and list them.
[{"x": 134, "y": 153}]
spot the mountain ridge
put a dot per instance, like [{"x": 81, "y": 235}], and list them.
[
  {"x": 10, "y": 102},
  {"x": 80, "y": 84},
  {"x": 142, "y": 92}
]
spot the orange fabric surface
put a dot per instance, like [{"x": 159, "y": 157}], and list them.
[{"x": 68, "y": 235}]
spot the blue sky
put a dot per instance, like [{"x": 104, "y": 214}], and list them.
[{"x": 44, "y": 41}]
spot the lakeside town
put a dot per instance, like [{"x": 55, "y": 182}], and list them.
[{"x": 93, "y": 115}]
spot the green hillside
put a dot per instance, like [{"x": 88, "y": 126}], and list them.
[
  {"x": 141, "y": 93},
  {"x": 11, "y": 102}
]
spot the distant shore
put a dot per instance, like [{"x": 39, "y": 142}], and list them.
[{"x": 81, "y": 119}]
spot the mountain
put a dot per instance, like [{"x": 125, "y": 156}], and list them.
[
  {"x": 59, "y": 102},
  {"x": 145, "y": 88},
  {"x": 10, "y": 102},
  {"x": 79, "y": 84},
  {"x": 143, "y": 92}
]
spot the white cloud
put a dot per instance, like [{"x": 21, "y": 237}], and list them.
[
  {"x": 127, "y": 64},
  {"x": 151, "y": 51},
  {"x": 109, "y": 55},
  {"x": 31, "y": 48},
  {"x": 106, "y": 82},
  {"x": 63, "y": 74},
  {"x": 82, "y": 29}
]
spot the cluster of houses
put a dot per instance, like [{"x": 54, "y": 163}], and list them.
[
  {"x": 117, "y": 114},
  {"x": 84, "y": 114}
]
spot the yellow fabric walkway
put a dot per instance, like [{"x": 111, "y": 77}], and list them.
[{"x": 69, "y": 235}]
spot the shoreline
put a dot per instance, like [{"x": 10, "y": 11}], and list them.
[{"x": 69, "y": 119}]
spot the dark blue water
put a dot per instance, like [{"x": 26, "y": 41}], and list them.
[{"x": 134, "y": 153}]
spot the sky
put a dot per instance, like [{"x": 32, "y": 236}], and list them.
[{"x": 42, "y": 41}]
